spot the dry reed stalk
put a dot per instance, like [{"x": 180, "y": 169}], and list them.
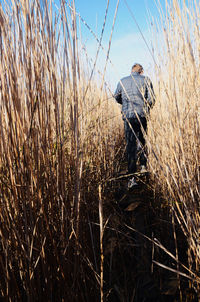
[{"x": 101, "y": 243}]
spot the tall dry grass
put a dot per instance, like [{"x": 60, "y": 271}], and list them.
[
  {"x": 58, "y": 142},
  {"x": 174, "y": 129}
]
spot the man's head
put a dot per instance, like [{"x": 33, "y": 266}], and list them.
[{"x": 137, "y": 68}]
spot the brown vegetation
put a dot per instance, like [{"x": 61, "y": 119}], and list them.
[
  {"x": 61, "y": 149},
  {"x": 174, "y": 132},
  {"x": 56, "y": 148}
]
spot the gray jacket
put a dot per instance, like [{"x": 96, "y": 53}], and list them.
[{"x": 136, "y": 95}]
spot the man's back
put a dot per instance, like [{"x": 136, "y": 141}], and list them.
[{"x": 133, "y": 92}]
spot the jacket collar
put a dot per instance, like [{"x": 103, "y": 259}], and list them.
[{"x": 135, "y": 73}]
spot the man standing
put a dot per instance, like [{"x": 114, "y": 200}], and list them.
[{"x": 135, "y": 94}]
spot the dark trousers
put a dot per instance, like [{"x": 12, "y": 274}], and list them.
[{"x": 135, "y": 142}]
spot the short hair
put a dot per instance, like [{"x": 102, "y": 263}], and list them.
[{"x": 138, "y": 68}]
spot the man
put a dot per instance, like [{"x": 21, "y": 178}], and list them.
[{"x": 135, "y": 93}]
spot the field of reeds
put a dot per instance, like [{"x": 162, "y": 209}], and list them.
[
  {"x": 61, "y": 142},
  {"x": 174, "y": 128}
]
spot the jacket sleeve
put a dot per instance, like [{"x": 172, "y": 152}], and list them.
[
  {"x": 118, "y": 93},
  {"x": 149, "y": 93}
]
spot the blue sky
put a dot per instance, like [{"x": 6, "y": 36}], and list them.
[{"x": 127, "y": 44}]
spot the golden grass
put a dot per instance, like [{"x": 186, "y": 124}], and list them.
[
  {"x": 59, "y": 132},
  {"x": 174, "y": 129}
]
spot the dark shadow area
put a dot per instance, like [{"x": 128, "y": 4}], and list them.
[{"x": 130, "y": 273}]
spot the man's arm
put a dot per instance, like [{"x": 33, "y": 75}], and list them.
[
  {"x": 118, "y": 94},
  {"x": 149, "y": 93}
]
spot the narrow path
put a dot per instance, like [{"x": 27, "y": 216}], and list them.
[{"x": 130, "y": 275}]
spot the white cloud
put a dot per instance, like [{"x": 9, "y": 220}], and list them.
[
  {"x": 124, "y": 52},
  {"x": 127, "y": 50}
]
